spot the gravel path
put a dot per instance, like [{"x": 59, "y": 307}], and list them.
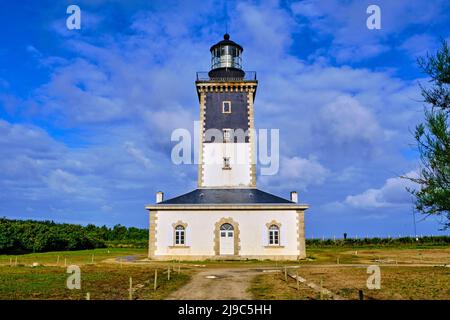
[{"x": 217, "y": 284}]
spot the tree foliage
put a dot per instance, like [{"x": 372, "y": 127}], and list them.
[
  {"x": 433, "y": 139},
  {"x": 40, "y": 236}
]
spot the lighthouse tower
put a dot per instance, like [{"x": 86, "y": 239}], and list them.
[{"x": 227, "y": 140}]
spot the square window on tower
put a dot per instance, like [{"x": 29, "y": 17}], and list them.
[
  {"x": 226, "y": 163},
  {"x": 226, "y": 107},
  {"x": 227, "y": 135}
]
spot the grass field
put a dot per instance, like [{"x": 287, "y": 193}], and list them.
[
  {"x": 397, "y": 283},
  {"x": 105, "y": 274},
  {"x": 105, "y": 278},
  {"x": 400, "y": 277},
  {"x": 80, "y": 257},
  {"x": 364, "y": 255},
  {"x": 105, "y": 282}
]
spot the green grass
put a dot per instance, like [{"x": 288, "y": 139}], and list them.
[
  {"x": 103, "y": 282},
  {"x": 110, "y": 280},
  {"x": 79, "y": 257}
]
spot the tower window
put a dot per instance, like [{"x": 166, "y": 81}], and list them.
[
  {"x": 226, "y": 163},
  {"x": 274, "y": 235},
  {"x": 226, "y": 107},
  {"x": 227, "y": 135}
]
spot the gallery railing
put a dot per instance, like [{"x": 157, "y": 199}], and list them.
[{"x": 248, "y": 76}]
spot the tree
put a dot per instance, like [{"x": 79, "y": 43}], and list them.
[{"x": 433, "y": 139}]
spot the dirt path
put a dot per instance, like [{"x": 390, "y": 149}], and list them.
[{"x": 216, "y": 284}]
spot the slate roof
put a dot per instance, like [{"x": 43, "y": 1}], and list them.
[{"x": 226, "y": 196}]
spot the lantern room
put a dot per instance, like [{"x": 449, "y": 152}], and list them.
[{"x": 226, "y": 59}]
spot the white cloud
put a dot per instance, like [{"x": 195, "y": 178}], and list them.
[
  {"x": 310, "y": 171},
  {"x": 345, "y": 23},
  {"x": 418, "y": 45},
  {"x": 297, "y": 173},
  {"x": 138, "y": 154},
  {"x": 61, "y": 180},
  {"x": 346, "y": 125},
  {"x": 392, "y": 194},
  {"x": 125, "y": 91}
]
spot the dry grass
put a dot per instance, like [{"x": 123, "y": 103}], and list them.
[
  {"x": 273, "y": 287},
  {"x": 358, "y": 255},
  {"x": 397, "y": 283}
]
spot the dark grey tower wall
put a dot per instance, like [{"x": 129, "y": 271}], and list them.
[{"x": 216, "y": 119}]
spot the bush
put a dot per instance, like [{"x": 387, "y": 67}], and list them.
[
  {"x": 40, "y": 236},
  {"x": 427, "y": 240}
]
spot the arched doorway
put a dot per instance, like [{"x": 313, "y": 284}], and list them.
[{"x": 226, "y": 239}]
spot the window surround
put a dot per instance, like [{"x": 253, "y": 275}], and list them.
[
  {"x": 226, "y": 110},
  {"x": 274, "y": 232},
  {"x": 179, "y": 227}
]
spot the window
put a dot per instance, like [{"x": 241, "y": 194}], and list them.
[
  {"x": 226, "y": 227},
  {"x": 226, "y": 163},
  {"x": 227, "y": 135},
  {"x": 274, "y": 235},
  {"x": 179, "y": 235},
  {"x": 226, "y": 230},
  {"x": 226, "y": 107}
]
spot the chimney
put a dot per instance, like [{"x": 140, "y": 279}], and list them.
[
  {"x": 294, "y": 196},
  {"x": 159, "y": 196}
]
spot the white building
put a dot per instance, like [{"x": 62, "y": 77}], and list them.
[{"x": 227, "y": 217}]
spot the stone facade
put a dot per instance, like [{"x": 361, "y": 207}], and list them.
[{"x": 250, "y": 237}]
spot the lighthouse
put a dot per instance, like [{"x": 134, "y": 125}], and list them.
[
  {"x": 227, "y": 216},
  {"x": 227, "y": 140}
]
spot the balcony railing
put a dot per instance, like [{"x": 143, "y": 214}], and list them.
[{"x": 249, "y": 76}]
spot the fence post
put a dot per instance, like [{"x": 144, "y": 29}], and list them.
[
  {"x": 130, "y": 296},
  {"x": 285, "y": 273},
  {"x": 361, "y": 295},
  {"x": 88, "y": 296},
  {"x": 296, "y": 278},
  {"x": 15, "y": 262},
  {"x": 156, "y": 280},
  {"x": 57, "y": 260},
  {"x": 321, "y": 288}
]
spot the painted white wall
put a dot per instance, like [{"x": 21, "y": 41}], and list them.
[
  {"x": 215, "y": 176},
  {"x": 252, "y": 226}
]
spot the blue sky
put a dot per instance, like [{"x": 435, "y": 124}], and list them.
[{"x": 86, "y": 115}]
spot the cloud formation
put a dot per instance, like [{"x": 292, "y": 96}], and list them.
[
  {"x": 392, "y": 194},
  {"x": 87, "y": 136}
]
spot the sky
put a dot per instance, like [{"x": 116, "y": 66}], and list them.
[{"x": 86, "y": 115}]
